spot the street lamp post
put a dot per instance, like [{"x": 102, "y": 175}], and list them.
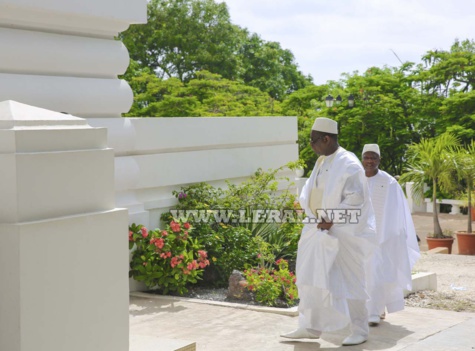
[{"x": 329, "y": 100}]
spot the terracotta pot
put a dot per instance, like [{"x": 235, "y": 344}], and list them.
[
  {"x": 432, "y": 243},
  {"x": 472, "y": 211},
  {"x": 466, "y": 243}
]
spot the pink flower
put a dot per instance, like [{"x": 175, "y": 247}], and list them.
[
  {"x": 159, "y": 243},
  {"x": 144, "y": 232},
  {"x": 202, "y": 253},
  {"x": 203, "y": 264},
  {"x": 187, "y": 225},
  {"x": 186, "y": 271},
  {"x": 192, "y": 265},
  {"x": 175, "y": 226},
  {"x": 131, "y": 236},
  {"x": 175, "y": 261},
  {"x": 164, "y": 233}
]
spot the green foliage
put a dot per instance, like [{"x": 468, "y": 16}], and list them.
[
  {"x": 183, "y": 37},
  {"x": 271, "y": 286},
  {"x": 458, "y": 115},
  {"x": 235, "y": 242},
  {"x": 265, "y": 65},
  {"x": 433, "y": 160},
  {"x": 207, "y": 95},
  {"x": 383, "y": 114},
  {"x": 167, "y": 259},
  {"x": 465, "y": 161},
  {"x": 452, "y": 70}
]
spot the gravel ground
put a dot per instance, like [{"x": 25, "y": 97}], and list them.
[{"x": 455, "y": 283}]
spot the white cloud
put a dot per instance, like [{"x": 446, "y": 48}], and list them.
[{"x": 330, "y": 37}]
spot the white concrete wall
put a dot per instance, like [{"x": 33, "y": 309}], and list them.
[
  {"x": 416, "y": 204},
  {"x": 61, "y": 54},
  {"x": 154, "y": 156}
]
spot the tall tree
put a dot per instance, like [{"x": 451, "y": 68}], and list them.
[
  {"x": 451, "y": 70},
  {"x": 185, "y": 36},
  {"x": 207, "y": 95},
  {"x": 265, "y": 65},
  {"x": 383, "y": 114}
]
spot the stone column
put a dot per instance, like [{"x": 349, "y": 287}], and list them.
[
  {"x": 63, "y": 244},
  {"x": 62, "y": 54}
]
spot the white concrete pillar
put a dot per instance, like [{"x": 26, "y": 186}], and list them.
[
  {"x": 416, "y": 204},
  {"x": 61, "y": 54},
  {"x": 63, "y": 244}
]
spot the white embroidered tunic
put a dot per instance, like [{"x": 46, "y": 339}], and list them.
[
  {"x": 391, "y": 267},
  {"x": 331, "y": 264}
]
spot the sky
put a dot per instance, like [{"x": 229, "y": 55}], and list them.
[{"x": 330, "y": 37}]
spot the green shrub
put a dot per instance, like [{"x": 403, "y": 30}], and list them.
[
  {"x": 168, "y": 259},
  {"x": 233, "y": 243},
  {"x": 273, "y": 286}
]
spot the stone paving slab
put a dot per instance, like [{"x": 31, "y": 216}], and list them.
[{"x": 220, "y": 328}]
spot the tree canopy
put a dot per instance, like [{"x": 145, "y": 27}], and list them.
[
  {"x": 183, "y": 37},
  {"x": 208, "y": 95}
]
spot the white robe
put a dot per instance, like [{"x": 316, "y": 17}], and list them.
[
  {"x": 391, "y": 267},
  {"x": 331, "y": 265}
]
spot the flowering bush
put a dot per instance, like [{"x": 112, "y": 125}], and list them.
[
  {"x": 166, "y": 259},
  {"x": 273, "y": 286},
  {"x": 233, "y": 243}
]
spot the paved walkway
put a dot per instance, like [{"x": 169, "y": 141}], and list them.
[
  {"x": 216, "y": 328},
  {"x": 219, "y": 328}
]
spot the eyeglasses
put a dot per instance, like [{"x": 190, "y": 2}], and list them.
[{"x": 314, "y": 141}]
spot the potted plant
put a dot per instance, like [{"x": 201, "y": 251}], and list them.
[
  {"x": 465, "y": 159},
  {"x": 433, "y": 160}
]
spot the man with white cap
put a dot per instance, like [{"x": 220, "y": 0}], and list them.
[
  {"x": 337, "y": 239},
  {"x": 390, "y": 269}
]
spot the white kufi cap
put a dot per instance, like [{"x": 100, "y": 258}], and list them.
[
  {"x": 325, "y": 125},
  {"x": 371, "y": 148}
]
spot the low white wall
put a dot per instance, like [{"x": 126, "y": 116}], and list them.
[
  {"x": 154, "y": 156},
  {"x": 416, "y": 204}
]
